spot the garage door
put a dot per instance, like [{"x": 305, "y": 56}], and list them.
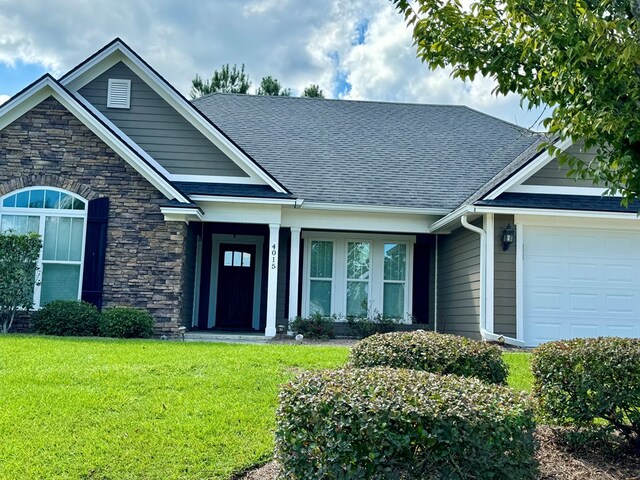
[{"x": 580, "y": 283}]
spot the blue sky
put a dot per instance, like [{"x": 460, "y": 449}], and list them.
[{"x": 354, "y": 49}]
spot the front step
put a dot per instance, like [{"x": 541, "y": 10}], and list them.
[{"x": 224, "y": 337}]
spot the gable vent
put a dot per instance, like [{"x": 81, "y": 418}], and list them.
[{"x": 118, "y": 93}]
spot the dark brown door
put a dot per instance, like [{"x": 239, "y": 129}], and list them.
[{"x": 236, "y": 274}]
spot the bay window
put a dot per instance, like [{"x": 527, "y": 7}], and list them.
[
  {"x": 59, "y": 217},
  {"x": 356, "y": 274}
]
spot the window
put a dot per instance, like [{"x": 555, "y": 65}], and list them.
[
  {"x": 321, "y": 277},
  {"x": 358, "y": 268},
  {"x": 237, "y": 259},
  {"x": 60, "y": 219},
  {"x": 352, "y": 274}
]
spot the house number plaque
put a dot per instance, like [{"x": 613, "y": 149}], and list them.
[{"x": 274, "y": 253}]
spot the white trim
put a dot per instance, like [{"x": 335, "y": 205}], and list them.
[
  {"x": 372, "y": 208},
  {"x": 489, "y": 226},
  {"x": 527, "y": 171},
  {"x": 118, "y": 51},
  {"x": 435, "y": 288},
  {"x": 294, "y": 271},
  {"x": 558, "y": 190},
  {"x": 556, "y": 213},
  {"x": 272, "y": 279},
  {"x": 449, "y": 219},
  {"x": 579, "y": 222},
  {"x": 306, "y": 272},
  {"x": 181, "y": 214},
  {"x": 256, "y": 240},
  {"x": 47, "y": 87},
  {"x": 110, "y": 100},
  {"x": 519, "y": 281},
  {"x": 228, "y": 199},
  {"x": 174, "y": 177}
]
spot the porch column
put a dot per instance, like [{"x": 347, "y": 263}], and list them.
[
  {"x": 272, "y": 279},
  {"x": 294, "y": 272}
]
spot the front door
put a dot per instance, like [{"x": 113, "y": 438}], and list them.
[{"x": 236, "y": 274}]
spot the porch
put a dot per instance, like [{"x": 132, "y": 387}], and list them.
[{"x": 248, "y": 279}]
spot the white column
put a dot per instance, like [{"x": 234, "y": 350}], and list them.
[
  {"x": 272, "y": 279},
  {"x": 489, "y": 271},
  {"x": 294, "y": 272}
]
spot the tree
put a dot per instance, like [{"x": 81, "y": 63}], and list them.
[
  {"x": 582, "y": 58},
  {"x": 18, "y": 268},
  {"x": 227, "y": 80},
  {"x": 271, "y": 86},
  {"x": 312, "y": 91}
]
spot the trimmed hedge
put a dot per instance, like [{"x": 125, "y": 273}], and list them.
[
  {"x": 389, "y": 423},
  {"x": 66, "y": 318},
  {"x": 126, "y": 322},
  {"x": 431, "y": 352},
  {"x": 579, "y": 382},
  {"x": 315, "y": 326}
]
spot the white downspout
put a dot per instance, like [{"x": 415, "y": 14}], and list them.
[{"x": 486, "y": 335}]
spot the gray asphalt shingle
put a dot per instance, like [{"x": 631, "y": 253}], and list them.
[{"x": 370, "y": 153}]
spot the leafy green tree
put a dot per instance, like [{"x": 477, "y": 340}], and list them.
[
  {"x": 227, "y": 80},
  {"x": 271, "y": 86},
  {"x": 18, "y": 268},
  {"x": 312, "y": 91},
  {"x": 582, "y": 58}
]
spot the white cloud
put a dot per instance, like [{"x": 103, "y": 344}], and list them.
[
  {"x": 296, "y": 41},
  {"x": 4, "y": 98}
]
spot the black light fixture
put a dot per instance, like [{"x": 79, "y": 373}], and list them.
[{"x": 508, "y": 237}]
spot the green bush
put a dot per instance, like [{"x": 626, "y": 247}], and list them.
[
  {"x": 126, "y": 322},
  {"x": 431, "y": 352},
  {"x": 372, "y": 323},
  {"x": 66, "y": 318},
  {"x": 585, "y": 381},
  {"x": 315, "y": 326},
  {"x": 386, "y": 423}
]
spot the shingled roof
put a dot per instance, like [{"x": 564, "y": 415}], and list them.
[{"x": 370, "y": 153}]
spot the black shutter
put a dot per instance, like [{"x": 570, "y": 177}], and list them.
[{"x": 95, "y": 251}]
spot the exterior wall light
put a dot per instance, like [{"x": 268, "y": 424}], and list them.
[{"x": 508, "y": 237}]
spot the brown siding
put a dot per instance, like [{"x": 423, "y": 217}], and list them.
[
  {"x": 553, "y": 174},
  {"x": 145, "y": 255},
  {"x": 459, "y": 283},
  {"x": 504, "y": 309}
]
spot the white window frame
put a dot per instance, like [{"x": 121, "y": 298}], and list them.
[
  {"x": 50, "y": 212},
  {"x": 346, "y": 279},
  {"x": 376, "y": 269}
]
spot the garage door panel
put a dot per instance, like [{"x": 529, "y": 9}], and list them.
[{"x": 580, "y": 283}]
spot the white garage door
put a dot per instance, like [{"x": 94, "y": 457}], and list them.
[{"x": 580, "y": 283}]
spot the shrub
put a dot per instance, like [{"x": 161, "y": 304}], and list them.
[
  {"x": 18, "y": 270},
  {"x": 315, "y": 326},
  {"x": 126, "y": 322},
  {"x": 67, "y": 318},
  {"x": 374, "y": 322},
  {"x": 585, "y": 381},
  {"x": 397, "y": 423},
  {"x": 431, "y": 352}
]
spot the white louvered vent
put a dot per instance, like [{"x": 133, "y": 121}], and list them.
[{"x": 118, "y": 93}]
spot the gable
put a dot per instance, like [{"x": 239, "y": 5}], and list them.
[
  {"x": 554, "y": 174},
  {"x": 158, "y": 128}
]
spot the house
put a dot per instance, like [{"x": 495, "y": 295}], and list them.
[{"x": 239, "y": 212}]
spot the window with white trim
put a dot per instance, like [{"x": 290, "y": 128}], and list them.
[
  {"x": 353, "y": 274},
  {"x": 60, "y": 218}
]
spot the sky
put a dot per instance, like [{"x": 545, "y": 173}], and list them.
[{"x": 354, "y": 49}]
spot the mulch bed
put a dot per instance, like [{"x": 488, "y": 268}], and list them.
[{"x": 557, "y": 462}]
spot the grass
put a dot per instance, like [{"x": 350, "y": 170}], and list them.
[
  {"x": 520, "y": 377},
  {"x": 109, "y": 409},
  {"x": 127, "y": 409}
]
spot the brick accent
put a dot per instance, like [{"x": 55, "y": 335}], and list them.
[{"x": 145, "y": 260}]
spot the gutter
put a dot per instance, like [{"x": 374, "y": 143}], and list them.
[{"x": 486, "y": 335}]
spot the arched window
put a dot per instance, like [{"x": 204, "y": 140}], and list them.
[{"x": 60, "y": 217}]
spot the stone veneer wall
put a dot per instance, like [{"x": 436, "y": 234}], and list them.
[{"x": 145, "y": 258}]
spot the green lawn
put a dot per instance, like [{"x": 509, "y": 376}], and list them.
[
  {"x": 520, "y": 377},
  {"x": 109, "y": 409}
]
